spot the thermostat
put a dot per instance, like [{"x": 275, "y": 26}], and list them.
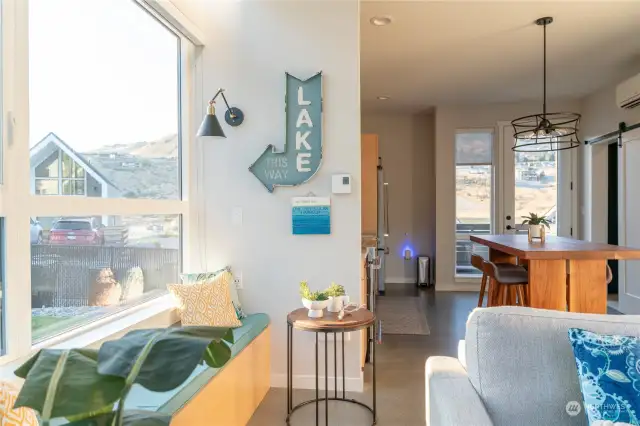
[{"x": 341, "y": 184}]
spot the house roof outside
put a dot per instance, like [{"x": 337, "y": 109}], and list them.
[
  {"x": 77, "y": 157},
  {"x": 147, "y": 169}
]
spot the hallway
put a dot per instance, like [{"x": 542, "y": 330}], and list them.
[{"x": 400, "y": 368}]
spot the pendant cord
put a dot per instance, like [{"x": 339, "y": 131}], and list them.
[{"x": 544, "y": 74}]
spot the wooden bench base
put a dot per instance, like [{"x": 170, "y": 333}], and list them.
[{"x": 233, "y": 395}]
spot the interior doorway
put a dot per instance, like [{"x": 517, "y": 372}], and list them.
[{"x": 612, "y": 211}]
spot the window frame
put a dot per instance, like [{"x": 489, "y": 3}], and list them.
[
  {"x": 471, "y": 277},
  {"x": 18, "y": 204},
  {"x": 61, "y": 178}
]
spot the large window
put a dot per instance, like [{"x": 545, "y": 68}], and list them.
[
  {"x": 103, "y": 107},
  {"x": 84, "y": 270},
  {"x": 105, "y": 82},
  {"x": 474, "y": 195},
  {"x": 536, "y": 185}
]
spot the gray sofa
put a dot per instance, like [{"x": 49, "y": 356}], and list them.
[{"x": 515, "y": 367}]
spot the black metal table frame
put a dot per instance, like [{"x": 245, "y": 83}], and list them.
[{"x": 326, "y": 399}]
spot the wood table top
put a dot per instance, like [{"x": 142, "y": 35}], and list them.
[
  {"x": 554, "y": 248},
  {"x": 357, "y": 320}
]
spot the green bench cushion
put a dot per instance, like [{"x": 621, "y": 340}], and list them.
[{"x": 170, "y": 402}]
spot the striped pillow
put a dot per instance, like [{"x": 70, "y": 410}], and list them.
[{"x": 14, "y": 416}]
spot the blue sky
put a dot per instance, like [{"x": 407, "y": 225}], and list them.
[{"x": 101, "y": 72}]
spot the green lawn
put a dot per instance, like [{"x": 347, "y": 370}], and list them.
[{"x": 46, "y": 326}]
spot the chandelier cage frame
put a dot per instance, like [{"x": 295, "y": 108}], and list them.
[{"x": 548, "y": 131}]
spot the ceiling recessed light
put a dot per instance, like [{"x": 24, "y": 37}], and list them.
[
  {"x": 380, "y": 21},
  {"x": 383, "y": 98}
]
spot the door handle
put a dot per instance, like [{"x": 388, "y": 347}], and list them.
[
  {"x": 385, "y": 195},
  {"x": 509, "y": 227}
]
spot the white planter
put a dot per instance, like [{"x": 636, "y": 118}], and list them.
[
  {"x": 535, "y": 231},
  {"x": 315, "y": 307},
  {"x": 337, "y": 303}
]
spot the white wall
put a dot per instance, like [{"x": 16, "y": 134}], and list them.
[
  {"x": 448, "y": 119},
  {"x": 407, "y": 146},
  {"x": 249, "y": 46},
  {"x": 600, "y": 115}
]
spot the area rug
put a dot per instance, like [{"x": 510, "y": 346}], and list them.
[{"x": 402, "y": 315}]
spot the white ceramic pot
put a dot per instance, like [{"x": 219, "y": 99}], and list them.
[
  {"x": 337, "y": 303},
  {"x": 535, "y": 231},
  {"x": 315, "y": 307}
]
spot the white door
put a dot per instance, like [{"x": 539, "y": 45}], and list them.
[
  {"x": 533, "y": 182},
  {"x": 628, "y": 223}
]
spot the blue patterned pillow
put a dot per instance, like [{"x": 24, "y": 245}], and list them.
[
  {"x": 200, "y": 277},
  {"x": 609, "y": 373}
]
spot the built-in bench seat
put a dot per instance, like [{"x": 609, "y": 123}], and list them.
[{"x": 218, "y": 396}]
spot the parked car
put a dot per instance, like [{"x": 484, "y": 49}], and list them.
[
  {"x": 77, "y": 232},
  {"x": 35, "y": 232}
]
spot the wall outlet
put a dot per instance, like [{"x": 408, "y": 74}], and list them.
[{"x": 237, "y": 280}]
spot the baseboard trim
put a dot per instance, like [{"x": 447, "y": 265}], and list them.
[
  {"x": 399, "y": 280},
  {"x": 301, "y": 381}
]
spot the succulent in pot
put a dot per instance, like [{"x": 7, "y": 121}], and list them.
[
  {"x": 536, "y": 225},
  {"x": 337, "y": 297},
  {"x": 314, "y": 301}
]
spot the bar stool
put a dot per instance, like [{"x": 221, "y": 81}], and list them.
[
  {"x": 478, "y": 263},
  {"x": 501, "y": 278}
]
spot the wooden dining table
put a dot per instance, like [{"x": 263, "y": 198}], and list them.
[{"x": 564, "y": 273}]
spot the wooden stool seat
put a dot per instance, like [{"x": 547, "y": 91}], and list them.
[{"x": 503, "y": 276}]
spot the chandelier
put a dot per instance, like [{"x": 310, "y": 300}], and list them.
[{"x": 548, "y": 131}]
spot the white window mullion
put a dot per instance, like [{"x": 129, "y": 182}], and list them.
[
  {"x": 17, "y": 259},
  {"x": 59, "y": 205}
]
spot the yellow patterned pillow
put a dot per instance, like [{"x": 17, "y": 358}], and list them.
[
  {"x": 14, "y": 417},
  {"x": 207, "y": 303}
]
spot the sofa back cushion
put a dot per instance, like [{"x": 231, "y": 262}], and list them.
[{"x": 521, "y": 362}]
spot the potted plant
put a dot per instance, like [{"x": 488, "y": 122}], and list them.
[
  {"x": 88, "y": 387},
  {"x": 314, "y": 301},
  {"x": 337, "y": 297},
  {"x": 536, "y": 225}
]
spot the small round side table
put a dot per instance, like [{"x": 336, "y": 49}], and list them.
[{"x": 328, "y": 324}]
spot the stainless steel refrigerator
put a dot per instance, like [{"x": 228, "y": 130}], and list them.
[{"x": 383, "y": 224}]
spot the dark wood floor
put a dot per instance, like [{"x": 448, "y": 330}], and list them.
[{"x": 400, "y": 368}]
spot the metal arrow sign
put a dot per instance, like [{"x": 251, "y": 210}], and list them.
[{"x": 302, "y": 154}]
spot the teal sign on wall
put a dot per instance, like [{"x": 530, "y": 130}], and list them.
[{"x": 302, "y": 154}]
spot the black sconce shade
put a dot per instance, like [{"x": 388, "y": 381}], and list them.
[{"x": 211, "y": 126}]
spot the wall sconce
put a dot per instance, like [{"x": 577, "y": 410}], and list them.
[{"x": 211, "y": 126}]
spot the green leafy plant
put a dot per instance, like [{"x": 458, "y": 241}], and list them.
[
  {"x": 88, "y": 387},
  {"x": 534, "y": 219},
  {"x": 306, "y": 293},
  {"x": 335, "y": 290}
]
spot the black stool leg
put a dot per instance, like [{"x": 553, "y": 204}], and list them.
[
  {"x": 343, "y": 386},
  {"x": 288, "y": 367},
  {"x": 373, "y": 354},
  {"x": 335, "y": 364},
  {"x": 317, "y": 394},
  {"x": 326, "y": 379}
]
